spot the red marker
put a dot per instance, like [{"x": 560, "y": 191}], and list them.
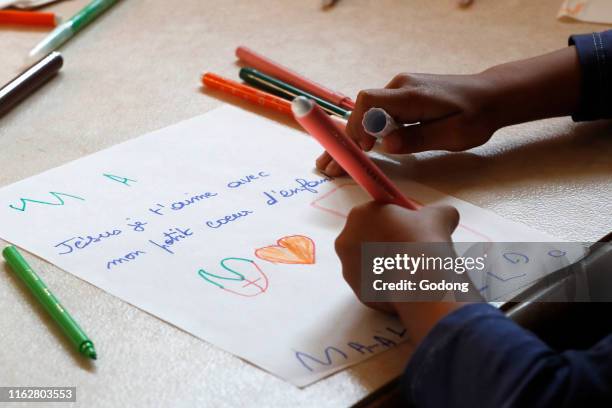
[
  {"x": 348, "y": 155},
  {"x": 278, "y": 71}
]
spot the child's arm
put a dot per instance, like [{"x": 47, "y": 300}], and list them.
[
  {"x": 459, "y": 112},
  {"x": 472, "y": 355},
  {"x": 477, "y": 357}
]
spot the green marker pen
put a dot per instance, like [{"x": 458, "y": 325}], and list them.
[
  {"x": 66, "y": 30},
  {"x": 44, "y": 296},
  {"x": 269, "y": 84}
]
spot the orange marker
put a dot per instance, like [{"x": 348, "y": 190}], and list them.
[
  {"x": 247, "y": 93},
  {"x": 348, "y": 155},
  {"x": 28, "y": 18}
]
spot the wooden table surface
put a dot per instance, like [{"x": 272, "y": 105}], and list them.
[{"x": 137, "y": 69}]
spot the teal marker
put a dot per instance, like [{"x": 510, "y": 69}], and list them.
[
  {"x": 66, "y": 30},
  {"x": 277, "y": 87}
]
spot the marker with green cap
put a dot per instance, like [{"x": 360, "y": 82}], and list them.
[
  {"x": 66, "y": 30},
  {"x": 44, "y": 296},
  {"x": 276, "y": 86}
]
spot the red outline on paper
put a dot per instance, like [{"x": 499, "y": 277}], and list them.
[{"x": 315, "y": 204}]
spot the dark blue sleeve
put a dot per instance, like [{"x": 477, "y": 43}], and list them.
[
  {"x": 595, "y": 56},
  {"x": 477, "y": 357}
]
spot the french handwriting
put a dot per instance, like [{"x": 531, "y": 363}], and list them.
[
  {"x": 303, "y": 185},
  {"x": 171, "y": 238},
  {"x": 247, "y": 179},
  {"x": 130, "y": 256},
  {"x": 137, "y": 226},
  {"x": 228, "y": 218},
  {"x": 159, "y": 209},
  {"x": 77, "y": 243}
]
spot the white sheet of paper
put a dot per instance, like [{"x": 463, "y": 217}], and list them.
[
  {"x": 594, "y": 11},
  {"x": 285, "y": 309}
]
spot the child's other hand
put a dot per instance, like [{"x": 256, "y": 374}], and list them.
[
  {"x": 373, "y": 222},
  {"x": 458, "y": 112},
  {"x": 454, "y": 110}
]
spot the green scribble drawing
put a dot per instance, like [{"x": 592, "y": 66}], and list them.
[
  {"x": 120, "y": 179},
  {"x": 60, "y": 201},
  {"x": 239, "y": 277}
]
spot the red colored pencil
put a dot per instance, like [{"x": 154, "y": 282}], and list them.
[
  {"x": 247, "y": 93},
  {"x": 28, "y": 18}
]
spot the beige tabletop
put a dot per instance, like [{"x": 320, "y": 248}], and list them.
[{"x": 137, "y": 69}]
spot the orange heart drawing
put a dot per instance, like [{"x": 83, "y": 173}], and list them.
[{"x": 293, "y": 249}]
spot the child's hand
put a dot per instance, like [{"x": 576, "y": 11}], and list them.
[
  {"x": 458, "y": 112},
  {"x": 373, "y": 222},
  {"x": 453, "y": 111}
]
